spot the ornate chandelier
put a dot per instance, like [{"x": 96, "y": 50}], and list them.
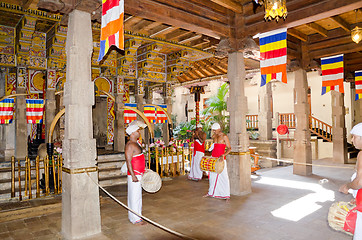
[
  {"x": 356, "y": 33},
  {"x": 275, "y": 9}
]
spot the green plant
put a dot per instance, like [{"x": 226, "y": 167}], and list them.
[
  {"x": 184, "y": 130},
  {"x": 216, "y": 110},
  {"x": 253, "y": 134}
]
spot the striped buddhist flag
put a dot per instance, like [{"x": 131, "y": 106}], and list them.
[
  {"x": 130, "y": 115},
  {"x": 6, "y": 111},
  {"x": 358, "y": 83},
  {"x": 150, "y": 113},
  {"x": 112, "y": 26},
  {"x": 34, "y": 110},
  {"x": 161, "y": 116},
  {"x": 332, "y": 74},
  {"x": 273, "y": 56}
]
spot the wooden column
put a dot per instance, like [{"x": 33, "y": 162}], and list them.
[
  {"x": 238, "y": 161},
  {"x": 302, "y": 145}
]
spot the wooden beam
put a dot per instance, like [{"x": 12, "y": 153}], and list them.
[
  {"x": 190, "y": 39},
  {"x": 198, "y": 43},
  {"x": 178, "y": 33},
  {"x": 307, "y": 14},
  {"x": 140, "y": 25},
  {"x": 151, "y": 26},
  {"x": 331, "y": 42},
  {"x": 163, "y": 31},
  {"x": 194, "y": 72},
  {"x": 163, "y": 13},
  {"x": 208, "y": 68},
  {"x": 345, "y": 48},
  {"x": 197, "y": 68},
  {"x": 202, "y": 70},
  {"x": 319, "y": 29},
  {"x": 343, "y": 24},
  {"x": 230, "y": 5}
]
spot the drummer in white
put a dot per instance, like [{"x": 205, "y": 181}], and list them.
[
  {"x": 356, "y": 183},
  {"x": 135, "y": 161},
  {"x": 199, "y": 151}
]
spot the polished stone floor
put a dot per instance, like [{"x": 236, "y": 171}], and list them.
[{"x": 282, "y": 206}]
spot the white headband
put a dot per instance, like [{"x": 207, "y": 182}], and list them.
[
  {"x": 215, "y": 126},
  {"x": 357, "y": 130}
]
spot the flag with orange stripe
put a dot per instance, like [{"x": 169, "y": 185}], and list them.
[
  {"x": 112, "y": 26},
  {"x": 273, "y": 56},
  {"x": 6, "y": 111},
  {"x": 332, "y": 73},
  {"x": 34, "y": 110},
  {"x": 129, "y": 115},
  {"x": 358, "y": 83},
  {"x": 160, "y": 115}
]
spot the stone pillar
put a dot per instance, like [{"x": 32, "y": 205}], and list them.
[
  {"x": 238, "y": 160},
  {"x": 149, "y": 99},
  {"x": 7, "y": 131},
  {"x": 80, "y": 197},
  {"x": 302, "y": 145},
  {"x": 265, "y": 114},
  {"x": 167, "y": 91},
  {"x": 50, "y": 102},
  {"x": 139, "y": 94},
  {"x": 119, "y": 133},
  {"x": 21, "y": 135},
  {"x": 339, "y": 129}
]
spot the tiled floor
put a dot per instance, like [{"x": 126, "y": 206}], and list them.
[{"x": 282, "y": 206}]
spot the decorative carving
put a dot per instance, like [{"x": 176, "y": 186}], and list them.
[
  {"x": 52, "y": 80},
  {"x": 10, "y": 83},
  {"x": 120, "y": 85},
  {"x": 22, "y": 77},
  {"x": 140, "y": 86}
]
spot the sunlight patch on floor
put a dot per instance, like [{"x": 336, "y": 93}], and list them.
[{"x": 301, "y": 207}]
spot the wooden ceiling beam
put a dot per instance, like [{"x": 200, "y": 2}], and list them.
[
  {"x": 297, "y": 34},
  {"x": 163, "y": 31},
  {"x": 197, "y": 9},
  {"x": 343, "y": 24},
  {"x": 300, "y": 16},
  {"x": 141, "y": 25},
  {"x": 151, "y": 26},
  {"x": 236, "y": 7},
  {"x": 201, "y": 67},
  {"x": 164, "y": 13},
  {"x": 188, "y": 75},
  {"x": 330, "y": 43},
  {"x": 198, "y": 43},
  {"x": 181, "y": 79},
  {"x": 345, "y": 48},
  {"x": 318, "y": 28},
  {"x": 216, "y": 67},
  {"x": 190, "y": 39},
  {"x": 178, "y": 33},
  {"x": 208, "y": 68}
]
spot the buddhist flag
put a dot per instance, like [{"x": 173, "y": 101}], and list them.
[
  {"x": 332, "y": 73},
  {"x": 273, "y": 56},
  {"x": 112, "y": 26},
  {"x": 150, "y": 113},
  {"x": 6, "y": 111},
  {"x": 358, "y": 83},
  {"x": 130, "y": 115},
  {"x": 161, "y": 116},
  {"x": 34, "y": 110}
]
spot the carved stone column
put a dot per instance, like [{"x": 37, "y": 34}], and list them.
[
  {"x": 119, "y": 133},
  {"x": 21, "y": 136},
  {"x": 239, "y": 160},
  {"x": 339, "y": 135},
  {"x": 302, "y": 145},
  {"x": 167, "y": 90},
  {"x": 139, "y": 94},
  {"x": 50, "y": 102},
  {"x": 80, "y": 197},
  {"x": 265, "y": 114},
  {"x": 149, "y": 99},
  {"x": 7, "y": 131}
]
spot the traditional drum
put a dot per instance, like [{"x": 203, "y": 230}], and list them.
[
  {"x": 342, "y": 217},
  {"x": 151, "y": 182},
  {"x": 212, "y": 164}
]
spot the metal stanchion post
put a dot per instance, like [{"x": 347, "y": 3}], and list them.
[{"x": 12, "y": 177}]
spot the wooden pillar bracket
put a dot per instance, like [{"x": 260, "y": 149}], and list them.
[{"x": 79, "y": 170}]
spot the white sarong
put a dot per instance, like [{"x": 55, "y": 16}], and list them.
[
  {"x": 219, "y": 185},
  {"x": 196, "y": 172},
  {"x": 134, "y": 200},
  {"x": 358, "y": 230}
]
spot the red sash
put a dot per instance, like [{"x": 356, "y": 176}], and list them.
[
  {"x": 138, "y": 164},
  {"x": 219, "y": 149},
  {"x": 199, "y": 147}
]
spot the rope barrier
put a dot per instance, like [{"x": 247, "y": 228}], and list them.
[
  {"x": 299, "y": 163},
  {"x": 139, "y": 215}
]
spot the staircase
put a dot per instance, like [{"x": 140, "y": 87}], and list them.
[{"x": 109, "y": 169}]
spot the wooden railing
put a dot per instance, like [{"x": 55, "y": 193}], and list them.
[
  {"x": 252, "y": 122},
  {"x": 320, "y": 128},
  {"x": 287, "y": 119},
  {"x": 316, "y": 126}
]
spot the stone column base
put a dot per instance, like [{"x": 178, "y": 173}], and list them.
[{"x": 239, "y": 170}]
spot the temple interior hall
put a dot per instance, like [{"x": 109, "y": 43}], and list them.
[{"x": 258, "y": 96}]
